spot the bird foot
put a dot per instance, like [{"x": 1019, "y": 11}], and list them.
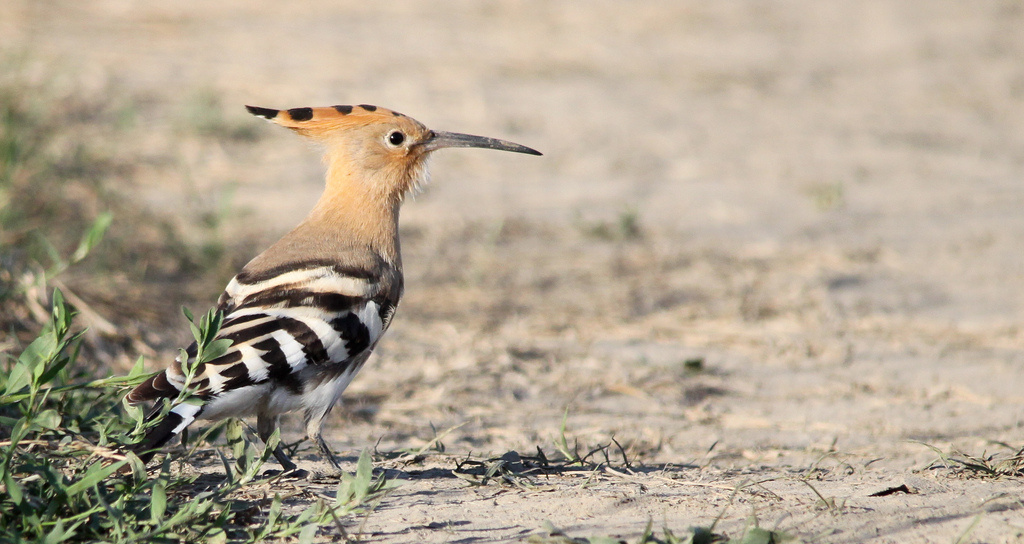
[
  {"x": 329, "y": 476},
  {"x": 312, "y": 476}
]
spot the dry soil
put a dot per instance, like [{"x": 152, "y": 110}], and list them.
[{"x": 819, "y": 204}]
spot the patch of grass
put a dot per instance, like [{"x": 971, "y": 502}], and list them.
[
  {"x": 362, "y": 489},
  {"x": 59, "y": 454},
  {"x": 626, "y": 226},
  {"x": 1008, "y": 462},
  {"x": 418, "y": 455},
  {"x": 694, "y": 535},
  {"x": 64, "y": 476},
  {"x": 509, "y": 469},
  {"x": 830, "y": 504},
  {"x": 521, "y": 471},
  {"x": 572, "y": 456}
]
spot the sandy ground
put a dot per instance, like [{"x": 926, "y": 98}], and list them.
[{"x": 821, "y": 201}]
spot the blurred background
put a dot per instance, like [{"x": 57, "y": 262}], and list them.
[{"x": 819, "y": 202}]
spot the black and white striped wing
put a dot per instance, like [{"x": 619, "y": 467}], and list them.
[
  {"x": 324, "y": 316},
  {"x": 293, "y": 334},
  {"x": 286, "y": 324}
]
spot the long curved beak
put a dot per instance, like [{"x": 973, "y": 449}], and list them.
[{"x": 455, "y": 139}]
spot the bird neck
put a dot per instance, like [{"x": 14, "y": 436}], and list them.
[{"x": 354, "y": 207}]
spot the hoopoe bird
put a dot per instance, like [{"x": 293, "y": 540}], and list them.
[{"x": 304, "y": 315}]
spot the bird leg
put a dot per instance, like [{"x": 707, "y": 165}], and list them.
[
  {"x": 314, "y": 426},
  {"x": 265, "y": 426}
]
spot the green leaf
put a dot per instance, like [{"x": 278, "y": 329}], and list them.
[
  {"x": 215, "y": 349},
  {"x": 229, "y": 469},
  {"x": 96, "y": 474},
  {"x": 60, "y": 534},
  {"x": 92, "y": 236},
  {"x": 273, "y": 441},
  {"x": 13, "y": 487},
  {"x": 702, "y": 535},
  {"x": 139, "y": 368},
  {"x": 364, "y": 467},
  {"x": 196, "y": 333},
  {"x": 158, "y": 502},
  {"x": 19, "y": 377},
  {"x": 275, "y": 510},
  {"x": 364, "y": 477},
  {"x": 134, "y": 411},
  {"x": 52, "y": 371},
  {"x": 57, "y": 263},
  {"x": 308, "y": 533},
  {"x": 758, "y": 535},
  {"x": 56, "y": 535},
  {"x": 138, "y": 467},
  {"x": 217, "y": 536},
  {"x": 216, "y": 320},
  {"x": 206, "y": 324},
  {"x": 61, "y": 314},
  {"x": 40, "y": 350},
  {"x": 48, "y": 419}
]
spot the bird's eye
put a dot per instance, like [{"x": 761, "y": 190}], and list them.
[{"x": 396, "y": 138}]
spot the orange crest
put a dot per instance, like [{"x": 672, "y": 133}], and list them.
[{"x": 318, "y": 122}]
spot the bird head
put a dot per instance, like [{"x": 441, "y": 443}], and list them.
[{"x": 380, "y": 148}]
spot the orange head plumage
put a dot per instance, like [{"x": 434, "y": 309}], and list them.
[{"x": 377, "y": 144}]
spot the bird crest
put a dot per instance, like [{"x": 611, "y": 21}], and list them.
[{"x": 318, "y": 123}]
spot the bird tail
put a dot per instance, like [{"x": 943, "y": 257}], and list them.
[
  {"x": 180, "y": 416},
  {"x": 157, "y": 387}
]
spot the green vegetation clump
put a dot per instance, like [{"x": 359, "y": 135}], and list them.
[
  {"x": 695, "y": 535},
  {"x": 63, "y": 476}
]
